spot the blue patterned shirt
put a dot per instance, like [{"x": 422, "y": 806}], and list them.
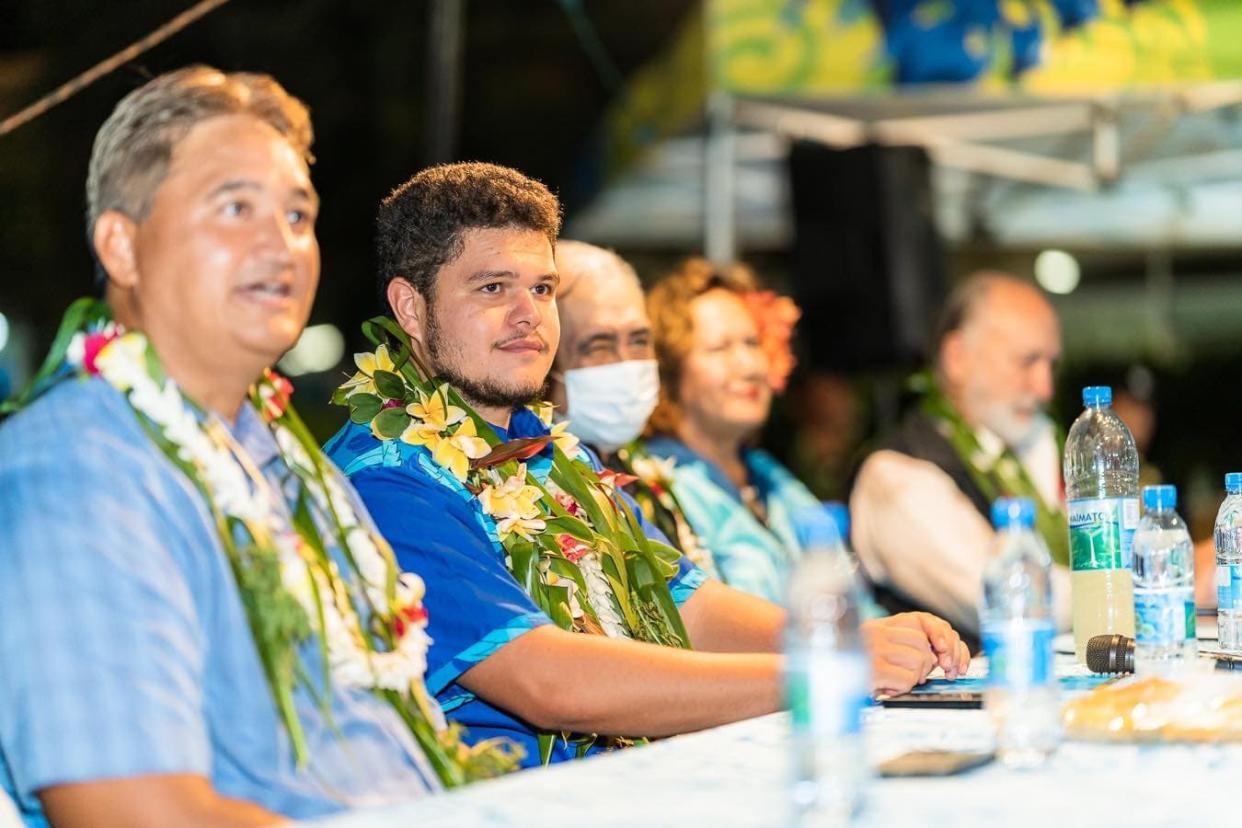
[
  {"x": 474, "y": 604},
  {"x": 124, "y": 646},
  {"x": 750, "y": 556}
]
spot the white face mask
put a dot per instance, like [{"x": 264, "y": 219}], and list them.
[{"x": 608, "y": 405}]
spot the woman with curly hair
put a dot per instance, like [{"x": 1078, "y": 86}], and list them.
[{"x": 723, "y": 350}]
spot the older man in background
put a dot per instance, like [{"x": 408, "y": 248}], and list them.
[
  {"x": 606, "y": 381},
  {"x": 605, "y": 377},
  {"x": 920, "y": 504}
]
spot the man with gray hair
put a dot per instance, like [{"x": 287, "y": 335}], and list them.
[
  {"x": 920, "y": 504},
  {"x": 151, "y": 672},
  {"x": 605, "y": 377}
]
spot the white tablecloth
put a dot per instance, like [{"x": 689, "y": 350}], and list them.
[{"x": 737, "y": 776}]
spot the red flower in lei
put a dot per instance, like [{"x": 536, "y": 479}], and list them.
[
  {"x": 568, "y": 504},
  {"x": 412, "y": 614},
  {"x": 275, "y": 393},
  {"x": 571, "y": 547}
]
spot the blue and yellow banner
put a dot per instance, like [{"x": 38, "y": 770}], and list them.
[{"x": 1045, "y": 47}]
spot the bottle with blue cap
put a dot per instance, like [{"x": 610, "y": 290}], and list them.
[
  {"x": 1101, "y": 470},
  {"x": 1228, "y": 537},
  {"x": 1164, "y": 586},
  {"x": 828, "y": 677},
  {"x": 1016, "y": 626}
]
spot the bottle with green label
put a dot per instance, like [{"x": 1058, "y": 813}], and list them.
[{"x": 1101, "y": 483}]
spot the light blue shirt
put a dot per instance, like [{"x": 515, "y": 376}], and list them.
[
  {"x": 124, "y": 646},
  {"x": 749, "y": 555}
]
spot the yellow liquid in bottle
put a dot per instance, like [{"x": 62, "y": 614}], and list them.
[{"x": 1103, "y": 604}]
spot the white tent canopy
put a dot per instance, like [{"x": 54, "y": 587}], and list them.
[{"x": 1162, "y": 169}]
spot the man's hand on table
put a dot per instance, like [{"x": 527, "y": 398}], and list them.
[{"x": 904, "y": 648}]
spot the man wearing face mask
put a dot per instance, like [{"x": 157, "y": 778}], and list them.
[
  {"x": 920, "y": 503},
  {"x": 606, "y": 381},
  {"x": 605, "y": 378}
]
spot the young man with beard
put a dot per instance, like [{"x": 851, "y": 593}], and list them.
[{"x": 466, "y": 261}]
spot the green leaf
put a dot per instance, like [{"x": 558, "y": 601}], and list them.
[
  {"x": 568, "y": 525},
  {"x": 391, "y": 422},
  {"x": 567, "y": 569},
  {"x": 389, "y": 384},
  {"x": 525, "y": 568},
  {"x": 364, "y": 407},
  {"x": 559, "y": 607},
  {"x": 568, "y": 476},
  {"x": 81, "y": 313},
  {"x": 665, "y": 558},
  {"x": 546, "y": 742},
  {"x": 654, "y": 590}
]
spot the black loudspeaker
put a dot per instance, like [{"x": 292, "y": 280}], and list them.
[{"x": 868, "y": 264}]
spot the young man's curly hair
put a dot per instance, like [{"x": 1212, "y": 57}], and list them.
[{"x": 420, "y": 226}]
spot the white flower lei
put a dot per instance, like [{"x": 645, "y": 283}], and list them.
[{"x": 242, "y": 493}]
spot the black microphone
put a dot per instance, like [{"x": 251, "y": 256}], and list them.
[{"x": 1110, "y": 654}]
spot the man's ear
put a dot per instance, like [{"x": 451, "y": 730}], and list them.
[
  {"x": 114, "y": 240},
  {"x": 953, "y": 357},
  {"x": 409, "y": 308}
]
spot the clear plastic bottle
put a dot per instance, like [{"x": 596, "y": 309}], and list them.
[
  {"x": 1164, "y": 586},
  {"x": 1101, "y": 483},
  {"x": 1228, "y": 537},
  {"x": 828, "y": 682},
  {"x": 1016, "y": 622}
]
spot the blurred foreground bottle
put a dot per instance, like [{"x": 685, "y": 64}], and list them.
[
  {"x": 1164, "y": 586},
  {"x": 1228, "y": 537},
  {"x": 828, "y": 682},
  {"x": 1101, "y": 483},
  {"x": 1016, "y": 626}
]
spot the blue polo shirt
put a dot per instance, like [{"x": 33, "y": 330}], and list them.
[
  {"x": 475, "y": 606},
  {"x": 124, "y": 646}
]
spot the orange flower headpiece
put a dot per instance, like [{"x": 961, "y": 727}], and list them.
[{"x": 776, "y": 316}]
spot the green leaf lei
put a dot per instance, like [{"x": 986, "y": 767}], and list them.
[
  {"x": 1003, "y": 477},
  {"x": 291, "y": 588},
  {"x": 559, "y": 536}
]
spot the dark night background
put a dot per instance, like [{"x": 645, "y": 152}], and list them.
[{"x": 530, "y": 98}]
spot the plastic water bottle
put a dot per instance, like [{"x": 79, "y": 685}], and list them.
[
  {"x": 828, "y": 682},
  {"x": 1016, "y": 625},
  {"x": 1164, "y": 586},
  {"x": 1101, "y": 483},
  {"x": 1228, "y": 537}
]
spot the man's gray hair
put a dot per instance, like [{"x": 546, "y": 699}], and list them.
[
  {"x": 964, "y": 303},
  {"x": 583, "y": 257},
  {"x": 134, "y": 147}
]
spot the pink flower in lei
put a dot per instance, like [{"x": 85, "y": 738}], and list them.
[
  {"x": 572, "y": 548},
  {"x": 94, "y": 343},
  {"x": 275, "y": 394},
  {"x": 775, "y": 317},
  {"x": 568, "y": 504}
]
